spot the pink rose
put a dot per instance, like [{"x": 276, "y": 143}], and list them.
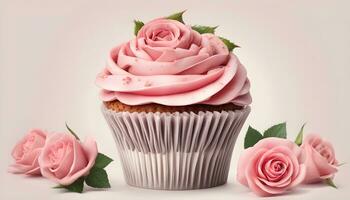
[
  {"x": 26, "y": 153},
  {"x": 168, "y": 47},
  {"x": 165, "y": 46},
  {"x": 320, "y": 159},
  {"x": 64, "y": 159},
  {"x": 271, "y": 166}
]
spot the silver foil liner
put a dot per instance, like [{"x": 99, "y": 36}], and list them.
[{"x": 176, "y": 151}]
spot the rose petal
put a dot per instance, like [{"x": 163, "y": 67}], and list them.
[
  {"x": 323, "y": 167},
  {"x": 65, "y": 163},
  {"x": 250, "y": 172},
  {"x": 242, "y": 165},
  {"x": 90, "y": 150},
  {"x": 80, "y": 159}
]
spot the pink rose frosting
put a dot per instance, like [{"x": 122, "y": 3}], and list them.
[
  {"x": 169, "y": 63},
  {"x": 64, "y": 159},
  {"x": 26, "y": 153},
  {"x": 320, "y": 159},
  {"x": 272, "y": 166}
]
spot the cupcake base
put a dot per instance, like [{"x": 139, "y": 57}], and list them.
[
  {"x": 175, "y": 171},
  {"x": 175, "y": 151}
]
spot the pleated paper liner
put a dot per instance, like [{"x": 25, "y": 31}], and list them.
[{"x": 176, "y": 151}]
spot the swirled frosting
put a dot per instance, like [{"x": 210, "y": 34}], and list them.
[{"x": 168, "y": 63}]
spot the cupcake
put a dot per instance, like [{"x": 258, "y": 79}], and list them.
[{"x": 175, "y": 98}]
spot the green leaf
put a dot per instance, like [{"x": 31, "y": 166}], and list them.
[
  {"x": 252, "y": 137},
  {"x": 204, "y": 29},
  {"x": 278, "y": 130},
  {"x": 138, "y": 26},
  {"x": 97, "y": 178},
  {"x": 58, "y": 187},
  {"x": 72, "y": 132},
  {"x": 177, "y": 16},
  {"x": 77, "y": 186},
  {"x": 102, "y": 160},
  {"x": 330, "y": 182},
  {"x": 299, "y": 138},
  {"x": 230, "y": 45}
]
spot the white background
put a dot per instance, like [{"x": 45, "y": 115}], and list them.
[{"x": 297, "y": 55}]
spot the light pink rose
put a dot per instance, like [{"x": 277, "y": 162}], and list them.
[
  {"x": 272, "y": 166},
  {"x": 320, "y": 159},
  {"x": 26, "y": 153},
  {"x": 64, "y": 159},
  {"x": 165, "y": 46}
]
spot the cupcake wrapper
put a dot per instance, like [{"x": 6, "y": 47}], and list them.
[{"x": 176, "y": 151}]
